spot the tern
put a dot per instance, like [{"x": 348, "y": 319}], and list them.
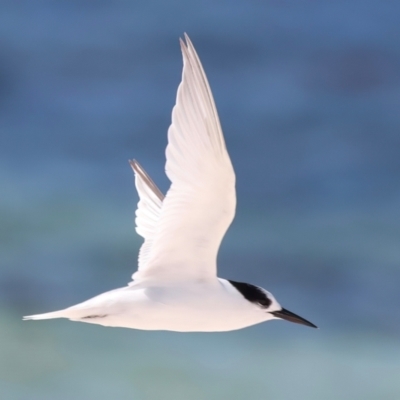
[{"x": 176, "y": 287}]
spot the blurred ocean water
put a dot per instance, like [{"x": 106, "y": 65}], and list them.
[{"x": 308, "y": 94}]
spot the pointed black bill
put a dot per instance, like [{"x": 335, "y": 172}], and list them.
[{"x": 289, "y": 316}]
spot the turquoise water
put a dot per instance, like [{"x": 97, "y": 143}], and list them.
[{"x": 67, "y": 360}]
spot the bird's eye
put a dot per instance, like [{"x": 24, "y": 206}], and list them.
[{"x": 264, "y": 302}]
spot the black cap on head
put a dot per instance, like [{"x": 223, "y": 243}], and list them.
[{"x": 252, "y": 293}]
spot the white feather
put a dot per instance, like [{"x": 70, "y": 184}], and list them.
[
  {"x": 148, "y": 210},
  {"x": 200, "y": 204}
]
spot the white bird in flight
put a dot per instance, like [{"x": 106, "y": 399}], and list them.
[{"x": 176, "y": 287}]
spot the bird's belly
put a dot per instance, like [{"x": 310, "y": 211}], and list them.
[
  {"x": 180, "y": 312},
  {"x": 175, "y": 319}
]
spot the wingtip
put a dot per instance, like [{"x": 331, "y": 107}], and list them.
[
  {"x": 187, "y": 39},
  {"x": 186, "y": 45},
  {"x": 137, "y": 168},
  {"x": 140, "y": 173},
  {"x": 184, "y": 48}
]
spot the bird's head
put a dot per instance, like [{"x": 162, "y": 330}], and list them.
[{"x": 267, "y": 301}]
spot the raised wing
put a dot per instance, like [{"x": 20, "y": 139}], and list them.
[
  {"x": 200, "y": 204},
  {"x": 148, "y": 210}
]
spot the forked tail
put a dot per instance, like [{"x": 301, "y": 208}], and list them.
[{"x": 50, "y": 315}]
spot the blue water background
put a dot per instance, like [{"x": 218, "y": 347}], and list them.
[{"x": 309, "y": 96}]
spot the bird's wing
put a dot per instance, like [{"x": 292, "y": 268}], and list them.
[
  {"x": 148, "y": 210},
  {"x": 200, "y": 204}
]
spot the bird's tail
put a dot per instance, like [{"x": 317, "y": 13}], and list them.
[{"x": 50, "y": 315}]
